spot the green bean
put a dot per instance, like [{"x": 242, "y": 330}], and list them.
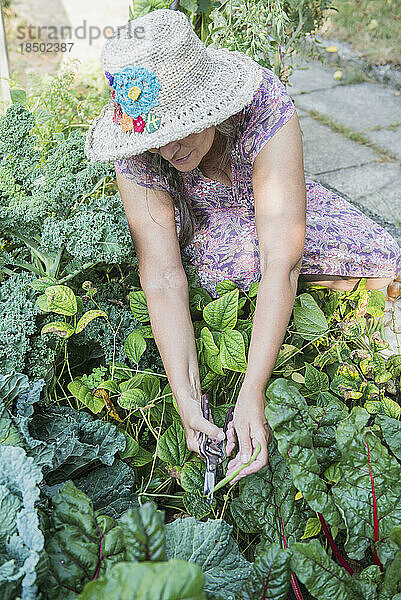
[{"x": 229, "y": 478}]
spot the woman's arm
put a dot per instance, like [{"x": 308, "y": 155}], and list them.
[
  {"x": 280, "y": 213},
  {"x": 150, "y": 216}
]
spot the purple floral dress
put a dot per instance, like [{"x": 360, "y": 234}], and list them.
[{"x": 340, "y": 239}]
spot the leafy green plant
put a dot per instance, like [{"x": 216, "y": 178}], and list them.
[{"x": 268, "y": 31}]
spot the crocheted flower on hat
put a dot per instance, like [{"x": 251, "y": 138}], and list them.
[{"x": 136, "y": 90}]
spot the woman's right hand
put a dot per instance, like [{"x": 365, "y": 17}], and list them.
[{"x": 194, "y": 423}]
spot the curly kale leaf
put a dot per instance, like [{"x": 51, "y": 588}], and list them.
[{"x": 17, "y": 321}]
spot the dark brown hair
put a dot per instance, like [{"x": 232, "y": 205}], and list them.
[{"x": 226, "y": 133}]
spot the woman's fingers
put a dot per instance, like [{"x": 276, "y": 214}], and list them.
[
  {"x": 230, "y": 438},
  {"x": 256, "y": 465},
  {"x": 202, "y": 425},
  {"x": 245, "y": 443}
]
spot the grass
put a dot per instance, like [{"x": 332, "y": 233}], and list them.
[{"x": 372, "y": 27}]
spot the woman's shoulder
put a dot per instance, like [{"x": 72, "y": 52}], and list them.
[
  {"x": 139, "y": 169},
  {"x": 269, "y": 109}
]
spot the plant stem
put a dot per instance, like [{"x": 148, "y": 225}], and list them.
[
  {"x": 229, "y": 478},
  {"x": 333, "y": 546},
  {"x": 375, "y": 517}
]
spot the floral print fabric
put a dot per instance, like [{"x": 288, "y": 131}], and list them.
[{"x": 340, "y": 239}]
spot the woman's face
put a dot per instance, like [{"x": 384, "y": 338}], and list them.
[{"x": 195, "y": 147}]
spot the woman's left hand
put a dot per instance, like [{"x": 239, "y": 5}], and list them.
[{"x": 250, "y": 425}]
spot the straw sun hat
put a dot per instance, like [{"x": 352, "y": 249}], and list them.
[{"x": 165, "y": 84}]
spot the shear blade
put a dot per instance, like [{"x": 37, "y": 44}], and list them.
[{"x": 210, "y": 477}]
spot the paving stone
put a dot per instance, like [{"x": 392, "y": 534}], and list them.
[
  {"x": 388, "y": 139},
  {"x": 359, "y": 106},
  {"x": 325, "y": 150},
  {"x": 375, "y": 185},
  {"x": 310, "y": 76}
]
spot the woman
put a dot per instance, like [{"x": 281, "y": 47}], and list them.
[{"x": 208, "y": 153}]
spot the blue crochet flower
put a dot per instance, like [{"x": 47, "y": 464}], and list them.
[{"x": 141, "y": 78}]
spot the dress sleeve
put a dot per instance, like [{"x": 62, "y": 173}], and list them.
[
  {"x": 270, "y": 108},
  {"x": 137, "y": 168}
]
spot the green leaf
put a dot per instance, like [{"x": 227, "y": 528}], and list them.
[
  {"x": 84, "y": 394},
  {"x": 391, "y": 429},
  {"x": 253, "y": 289},
  {"x": 190, "y": 5},
  {"x": 323, "y": 578},
  {"x": 76, "y": 442},
  {"x": 244, "y": 517},
  {"x": 76, "y": 539},
  {"x": 60, "y": 328},
  {"x": 222, "y": 313},
  {"x": 288, "y": 416},
  {"x": 172, "y": 580},
  {"x": 210, "y": 546},
  {"x": 135, "y": 346},
  {"x": 196, "y": 505},
  {"x": 208, "y": 341},
  {"x": 61, "y": 300},
  {"x": 138, "y": 306},
  {"x": 141, "y": 458},
  {"x": 270, "y": 575},
  {"x": 132, "y": 398},
  {"x": 222, "y": 287},
  {"x": 87, "y": 318},
  {"x": 42, "y": 115},
  {"x": 131, "y": 448},
  {"x": 172, "y": 447},
  {"x": 41, "y": 284},
  {"x": 365, "y": 466},
  {"x": 309, "y": 319},
  {"x": 145, "y": 331},
  {"x": 144, "y": 534},
  {"x": 315, "y": 381},
  {"x": 313, "y": 527},
  {"x": 198, "y": 298},
  {"x": 391, "y": 408},
  {"x": 111, "y": 488},
  {"x": 18, "y": 95},
  {"x": 192, "y": 475},
  {"x": 268, "y": 502},
  {"x": 286, "y": 352},
  {"x": 20, "y": 534},
  {"x": 392, "y": 577},
  {"x": 376, "y": 304},
  {"x": 232, "y": 351}
]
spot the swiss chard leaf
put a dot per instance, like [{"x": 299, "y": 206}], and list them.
[
  {"x": 270, "y": 575},
  {"x": 323, "y": 578},
  {"x": 80, "y": 546},
  {"x": 172, "y": 580},
  {"x": 369, "y": 490},
  {"x": 144, "y": 533},
  {"x": 268, "y": 500},
  {"x": 288, "y": 416},
  {"x": 391, "y": 429}
]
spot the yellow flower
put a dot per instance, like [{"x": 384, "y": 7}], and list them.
[{"x": 134, "y": 93}]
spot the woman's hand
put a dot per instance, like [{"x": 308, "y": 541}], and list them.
[
  {"x": 250, "y": 425},
  {"x": 194, "y": 423}
]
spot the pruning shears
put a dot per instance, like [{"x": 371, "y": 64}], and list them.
[{"x": 213, "y": 452}]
